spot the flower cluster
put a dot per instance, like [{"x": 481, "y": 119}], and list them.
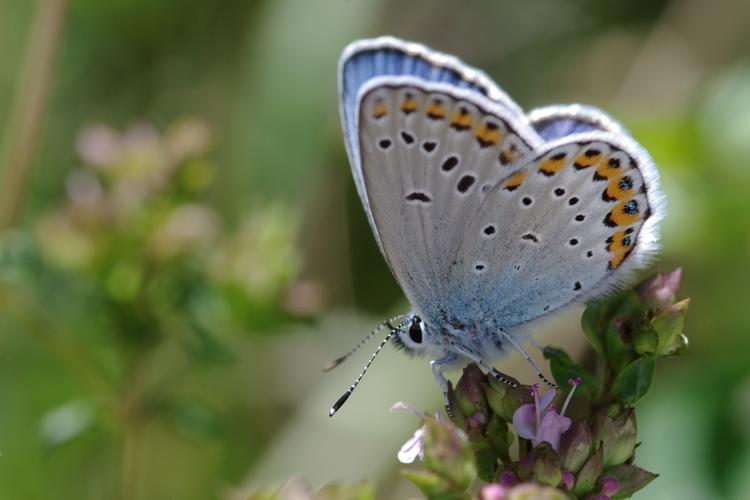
[{"x": 586, "y": 450}]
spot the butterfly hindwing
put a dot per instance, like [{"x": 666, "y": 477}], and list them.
[{"x": 566, "y": 225}]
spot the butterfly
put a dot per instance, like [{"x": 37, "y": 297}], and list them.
[{"x": 489, "y": 217}]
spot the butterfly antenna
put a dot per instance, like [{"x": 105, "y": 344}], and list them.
[
  {"x": 340, "y": 402},
  {"x": 336, "y": 362},
  {"x": 528, "y": 358}
]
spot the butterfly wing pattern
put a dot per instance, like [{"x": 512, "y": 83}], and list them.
[{"x": 489, "y": 217}]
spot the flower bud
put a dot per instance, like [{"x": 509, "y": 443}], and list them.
[
  {"x": 624, "y": 445},
  {"x": 568, "y": 479},
  {"x": 499, "y": 437},
  {"x": 604, "y": 434},
  {"x": 505, "y": 400},
  {"x": 630, "y": 478},
  {"x": 668, "y": 325},
  {"x": 447, "y": 453},
  {"x": 589, "y": 473},
  {"x": 608, "y": 486},
  {"x": 541, "y": 465},
  {"x": 661, "y": 290},
  {"x": 508, "y": 479},
  {"x": 469, "y": 392},
  {"x": 429, "y": 483},
  {"x": 575, "y": 446},
  {"x": 534, "y": 491}
]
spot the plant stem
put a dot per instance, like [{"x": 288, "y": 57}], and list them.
[
  {"x": 130, "y": 461},
  {"x": 25, "y": 120}
]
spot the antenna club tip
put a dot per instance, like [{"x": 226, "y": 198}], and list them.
[
  {"x": 333, "y": 364},
  {"x": 331, "y": 412}
]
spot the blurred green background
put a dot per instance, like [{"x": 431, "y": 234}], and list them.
[{"x": 182, "y": 247}]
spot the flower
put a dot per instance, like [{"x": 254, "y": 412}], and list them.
[
  {"x": 412, "y": 448},
  {"x": 661, "y": 290},
  {"x": 539, "y": 421}
]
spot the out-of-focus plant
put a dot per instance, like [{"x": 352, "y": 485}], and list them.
[
  {"x": 587, "y": 449},
  {"x": 138, "y": 256},
  {"x": 297, "y": 489}
]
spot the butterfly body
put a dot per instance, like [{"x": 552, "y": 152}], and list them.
[{"x": 488, "y": 217}]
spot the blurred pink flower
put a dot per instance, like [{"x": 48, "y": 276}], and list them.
[
  {"x": 661, "y": 290},
  {"x": 99, "y": 146}
]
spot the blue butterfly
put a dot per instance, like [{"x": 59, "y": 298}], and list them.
[{"x": 488, "y": 217}]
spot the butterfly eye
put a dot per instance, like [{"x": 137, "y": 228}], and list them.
[{"x": 415, "y": 331}]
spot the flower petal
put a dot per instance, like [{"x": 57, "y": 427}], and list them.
[
  {"x": 524, "y": 420},
  {"x": 553, "y": 426},
  {"x": 413, "y": 448},
  {"x": 545, "y": 400}
]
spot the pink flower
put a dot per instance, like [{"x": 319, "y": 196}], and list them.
[
  {"x": 492, "y": 492},
  {"x": 540, "y": 421},
  {"x": 662, "y": 289}
]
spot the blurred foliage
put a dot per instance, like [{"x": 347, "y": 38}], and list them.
[{"x": 159, "y": 260}]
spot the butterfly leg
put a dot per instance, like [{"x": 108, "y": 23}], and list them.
[
  {"x": 478, "y": 360},
  {"x": 527, "y": 358},
  {"x": 438, "y": 367}
]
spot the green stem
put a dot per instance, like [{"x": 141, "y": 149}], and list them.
[{"x": 24, "y": 125}]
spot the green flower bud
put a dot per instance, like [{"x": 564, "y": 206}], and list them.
[
  {"x": 541, "y": 465},
  {"x": 429, "y": 483},
  {"x": 499, "y": 437},
  {"x": 535, "y": 492},
  {"x": 589, "y": 473},
  {"x": 470, "y": 394},
  {"x": 575, "y": 446},
  {"x": 627, "y": 431},
  {"x": 668, "y": 325},
  {"x": 448, "y": 454},
  {"x": 604, "y": 433},
  {"x": 505, "y": 400}
]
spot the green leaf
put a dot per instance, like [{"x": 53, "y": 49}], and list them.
[
  {"x": 563, "y": 369},
  {"x": 634, "y": 381},
  {"x": 593, "y": 322}
]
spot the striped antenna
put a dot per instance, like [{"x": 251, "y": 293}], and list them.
[
  {"x": 340, "y": 402},
  {"x": 336, "y": 362}
]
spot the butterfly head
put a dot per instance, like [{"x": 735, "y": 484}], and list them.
[{"x": 413, "y": 336}]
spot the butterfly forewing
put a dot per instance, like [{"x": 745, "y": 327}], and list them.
[{"x": 429, "y": 157}]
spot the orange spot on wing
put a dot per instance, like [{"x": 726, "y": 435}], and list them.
[
  {"x": 507, "y": 155},
  {"x": 607, "y": 169},
  {"x": 621, "y": 216},
  {"x": 488, "y": 134},
  {"x": 436, "y": 110},
  {"x": 587, "y": 159},
  {"x": 619, "y": 188},
  {"x": 408, "y": 105},
  {"x": 553, "y": 164},
  {"x": 515, "y": 180},
  {"x": 619, "y": 245},
  {"x": 461, "y": 119},
  {"x": 379, "y": 110}
]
